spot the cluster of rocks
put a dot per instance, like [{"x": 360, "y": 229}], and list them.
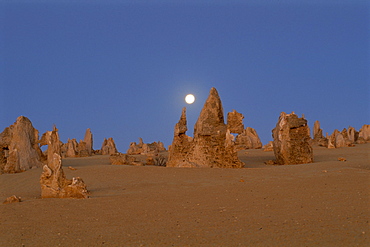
[
  {"x": 82, "y": 149},
  {"x": 108, "y": 147},
  {"x": 138, "y": 160},
  {"x": 144, "y": 148},
  {"x": 247, "y": 138},
  {"x": 53, "y": 182},
  {"x": 212, "y": 145},
  {"x": 346, "y": 138}
]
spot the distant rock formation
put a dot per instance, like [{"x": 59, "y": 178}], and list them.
[
  {"x": 181, "y": 144},
  {"x": 121, "y": 159},
  {"x": 108, "y": 147},
  {"x": 210, "y": 147},
  {"x": 71, "y": 148},
  {"x": 352, "y": 135},
  {"x": 339, "y": 140},
  {"x": 143, "y": 148},
  {"x": 19, "y": 149},
  {"x": 292, "y": 140},
  {"x": 268, "y": 147},
  {"x": 248, "y": 139},
  {"x": 82, "y": 149},
  {"x": 318, "y": 137},
  {"x": 342, "y": 139},
  {"x": 364, "y": 134},
  {"x": 235, "y": 122},
  {"x": 88, "y": 139},
  {"x": 53, "y": 181}
]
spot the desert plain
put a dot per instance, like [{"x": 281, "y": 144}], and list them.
[{"x": 325, "y": 203}]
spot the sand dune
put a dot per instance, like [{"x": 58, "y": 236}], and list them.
[{"x": 326, "y": 203}]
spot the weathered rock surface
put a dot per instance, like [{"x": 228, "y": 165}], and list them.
[
  {"x": 339, "y": 139},
  {"x": 72, "y": 148},
  {"x": 12, "y": 199},
  {"x": 235, "y": 122},
  {"x": 318, "y": 137},
  {"x": 292, "y": 140},
  {"x": 209, "y": 148},
  {"x": 121, "y": 159},
  {"x": 181, "y": 143},
  {"x": 88, "y": 140},
  {"x": 248, "y": 139},
  {"x": 145, "y": 148},
  {"x": 352, "y": 135},
  {"x": 19, "y": 148},
  {"x": 53, "y": 181},
  {"x": 268, "y": 147},
  {"x": 108, "y": 147},
  {"x": 364, "y": 133}
]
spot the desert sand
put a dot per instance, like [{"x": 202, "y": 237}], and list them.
[{"x": 325, "y": 203}]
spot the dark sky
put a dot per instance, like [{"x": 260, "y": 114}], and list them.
[{"x": 123, "y": 68}]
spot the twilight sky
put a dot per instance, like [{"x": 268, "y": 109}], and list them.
[{"x": 123, "y": 68}]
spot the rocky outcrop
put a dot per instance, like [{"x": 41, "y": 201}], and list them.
[
  {"x": 19, "y": 148},
  {"x": 235, "y": 122},
  {"x": 53, "y": 181},
  {"x": 88, "y": 140},
  {"x": 209, "y": 147},
  {"x": 181, "y": 143},
  {"x": 364, "y": 134},
  {"x": 292, "y": 140},
  {"x": 12, "y": 199},
  {"x": 341, "y": 139},
  {"x": 318, "y": 137},
  {"x": 121, "y": 159},
  {"x": 72, "y": 148},
  {"x": 248, "y": 139},
  {"x": 82, "y": 149},
  {"x": 144, "y": 148},
  {"x": 108, "y": 147},
  {"x": 352, "y": 135},
  {"x": 268, "y": 147}
]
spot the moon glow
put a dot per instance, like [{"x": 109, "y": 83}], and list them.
[{"x": 189, "y": 99}]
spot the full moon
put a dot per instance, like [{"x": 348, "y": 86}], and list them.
[{"x": 189, "y": 99}]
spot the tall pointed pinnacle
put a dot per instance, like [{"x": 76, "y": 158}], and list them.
[
  {"x": 88, "y": 139},
  {"x": 211, "y": 116},
  {"x": 181, "y": 126}
]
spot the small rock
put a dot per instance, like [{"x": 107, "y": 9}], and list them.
[
  {"x": 270, "y": 162},
  {"x": 12, "y": 199}
]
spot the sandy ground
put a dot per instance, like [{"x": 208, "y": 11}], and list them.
[{"x": 326, "y": 203}]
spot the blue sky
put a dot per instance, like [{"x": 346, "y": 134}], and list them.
[{"x": 123, "y": 68}]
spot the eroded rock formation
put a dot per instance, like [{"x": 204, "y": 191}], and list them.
[
  {"x": 318, "y": 137},
  {"x": 12, "y": 199},
  {"x": 181, "y": 143},
  {"x": 53, "y": 181},
  {"x": 108, "y": 147},
  {"x": 145, "y": 148},
  {"x": 364, "y": 134},
  {"x": 88, "y": 140},
  {"x": 209, "y": 147},
  {"x": 235, "y": 122},
  {"x": 268, "y": 147},
  {"x": 19, "y": 148},
  {"x": 71, "y": 148},
  {"x": 248, "y": 139},
  {"x": 292, "y": 140}
]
